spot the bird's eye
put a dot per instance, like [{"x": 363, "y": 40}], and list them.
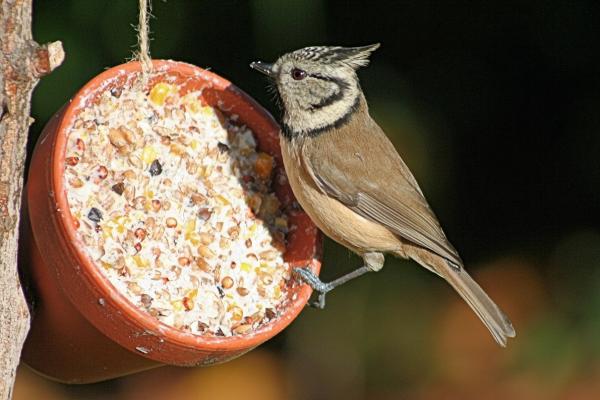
[{"x": 298, "y": 74}]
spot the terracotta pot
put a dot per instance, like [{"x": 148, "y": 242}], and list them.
[{"x": 83, "y": 329}]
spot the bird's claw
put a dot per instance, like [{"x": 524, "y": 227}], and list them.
[
  {"x": 320, "y": 302},
  {"x": 311, "y": 279}
]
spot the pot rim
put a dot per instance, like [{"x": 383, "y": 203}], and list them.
[{"x": 95, "y": 279}]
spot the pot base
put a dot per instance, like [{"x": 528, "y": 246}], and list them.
[{"x": 91, "y": 356}]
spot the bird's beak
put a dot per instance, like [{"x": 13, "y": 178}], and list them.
[{"x": 263, "y": 68}]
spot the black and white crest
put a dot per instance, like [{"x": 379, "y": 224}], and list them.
[
  {"x": 354, "y": 57},
  {"x": 317, "y": 86}
]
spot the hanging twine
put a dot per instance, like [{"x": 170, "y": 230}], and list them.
[{"x": 143, "y": 54}]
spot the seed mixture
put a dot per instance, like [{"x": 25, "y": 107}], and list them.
[{"x": 173, "y": 203}]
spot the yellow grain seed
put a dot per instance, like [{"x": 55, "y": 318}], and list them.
[
  {"x": 160, "y": 92},
  {"x": 237, "y": 313},
  {"x": 149, "y": 154},
  {"x": 190, "y": 226},
  {"x": 245, "y": 267},
  {"x": 207, "y": 111},
  {"x": 194, "y": 238},
  {"x": 177, "y": 305},
  {"x": 140, "y": 261},
  {"x": 222, "y": 200},
  {"x": 192, "y": 293}
]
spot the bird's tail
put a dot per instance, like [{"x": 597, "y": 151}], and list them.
[{"x": 490, "y": 314}]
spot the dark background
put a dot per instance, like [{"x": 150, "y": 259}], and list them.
[{"x": 495, "y": 106}]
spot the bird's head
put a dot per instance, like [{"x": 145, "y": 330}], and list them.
[{"x": 317, "y": 86}]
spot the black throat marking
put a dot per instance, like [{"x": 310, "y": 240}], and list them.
[
  {"x": 289, "y": 132},
  {"x": 343, "y": 88}
]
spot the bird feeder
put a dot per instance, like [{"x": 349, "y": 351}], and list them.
[{"x": 84, "y": 328}]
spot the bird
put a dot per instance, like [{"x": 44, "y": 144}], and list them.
[{"x": 347, "y": 176}]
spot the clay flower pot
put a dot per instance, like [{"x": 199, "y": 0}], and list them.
[{"x": 83, "y": 329}]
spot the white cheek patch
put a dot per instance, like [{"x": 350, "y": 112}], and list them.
[{"x": 328, "y": 112}]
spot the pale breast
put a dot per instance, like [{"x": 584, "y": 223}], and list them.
[{"x": 333, "y": 218}]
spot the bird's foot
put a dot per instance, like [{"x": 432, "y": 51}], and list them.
[
  {"x": 322, "y": 288},
  {"x": 312, "y": 280}
]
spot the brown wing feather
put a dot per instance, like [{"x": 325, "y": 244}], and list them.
[{"x": 365, "y": 172}]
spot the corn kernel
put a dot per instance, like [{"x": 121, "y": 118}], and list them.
[
  {"x": 177, "y": 305},
  {"x": 208, "y": 111},
  {"x": 192, "y": 294},
  {"x": 148, "y": 154},
  {"x": 140, "y": 261},
  {"x": 237, "y": 314},
  {"x": 245, "y": 267},
  {"x": 160, "y": 92},
  {"x": 106, "y": 232},
  {"x": 222, "y": 200},
  {"x": 194, "y": 238},
  {"x": 190, "y": 226}
]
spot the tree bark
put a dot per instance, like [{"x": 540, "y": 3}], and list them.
[{"x": 22, "y": 63}]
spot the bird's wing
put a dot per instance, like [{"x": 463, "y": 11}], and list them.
[{"x": 364, "y": 172}]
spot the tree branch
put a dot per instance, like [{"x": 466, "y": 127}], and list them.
[{"x": 22, "y": 63}]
